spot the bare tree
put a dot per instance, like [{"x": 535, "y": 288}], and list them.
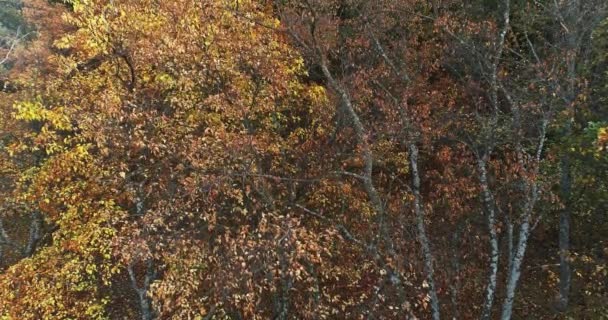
[{"x": 311, "y": 44}]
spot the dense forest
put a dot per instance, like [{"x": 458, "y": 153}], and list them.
[{"x": 303, "y": 159}]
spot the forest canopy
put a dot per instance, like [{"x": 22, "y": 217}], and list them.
[{"x": 303, "y": 159}]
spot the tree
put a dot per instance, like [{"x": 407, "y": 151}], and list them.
[
  {"x": 301, "y": 160},
  {"x": 186, "y": 118}
]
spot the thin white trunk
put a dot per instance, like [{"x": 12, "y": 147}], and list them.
[
  {"x": 366, "y": 153},
  {"x": 510, "y": 243},
  {"x": 489, "y": 205},
  {"x": 524, "y": 232},
  {"x": 145, "y": 304},
  {"x": 515, "y": 271},
  {"x": 488, "y": 199},
  {"x": 422, "y": 235},
  {"x": 418, "y": 206}
]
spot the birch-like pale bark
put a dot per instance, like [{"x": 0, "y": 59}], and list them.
[
  {"x": 510, "y": 243},
  {"x": 482, "y": 162},
  {"x": 515, "y": 272},
  {"x": 422, "y": 235},
  {"x": 489, "y": 205},
  {"x": 145, "y": 303},
  {"x": 418, "y": 203},
  {"x": 360, "y": 133},
  {"x": 524, "y": 231},
  {"x": 13, "y": 45},
  {"x": 520, "y": 250}
]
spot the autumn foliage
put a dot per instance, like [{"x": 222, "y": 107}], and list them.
[{"x": 304, "y": 160}]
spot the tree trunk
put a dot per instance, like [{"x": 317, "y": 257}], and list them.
[
  {"x": 367, "y": 177},
  {"x": 422, "y": 235},
  {"x": 564, "y": 237},
  {"x": 515, "y": 272},
  {"x": 520, "y": 250},
  {"x": 524, "y": 231},
  {"x": 34, "y": 236},
  {"x": 488, "y": 201},
  {"x": 145, "y": 305}
]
